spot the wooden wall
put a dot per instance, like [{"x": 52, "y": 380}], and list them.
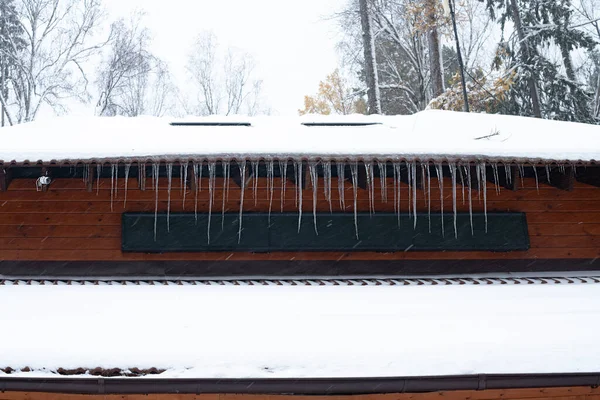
[
  {"x": 569, "y": 393},
  {"x": 68, "y": 223}
]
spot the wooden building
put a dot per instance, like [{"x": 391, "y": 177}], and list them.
[{"x": 384, "y": 202}]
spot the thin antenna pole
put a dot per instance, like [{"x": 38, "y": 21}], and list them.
[{"x": 461, "y": 65}]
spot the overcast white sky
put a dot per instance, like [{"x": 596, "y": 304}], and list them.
[{"x": 292, "y": 42}]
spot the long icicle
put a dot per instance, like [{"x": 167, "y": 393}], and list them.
[
  {"x": 225, "y": 165},
  {"x": 354, "y": 171},
  {"x": 429, "y": 196},
  {"x": 484, "y": 182},
  {"x": 327, "y": 183},
  {"x": 383, "y": 179},
  {"x": 453, "y": 174},
  {"x": 155, "y": 171},
  {"x": 414, "y": 192},
  {"x": 196, "y": 187},
  {"x": 298, "y": 170},
  {"x": 410, "y": 184},
  {"x": 341, "y": 172},
  {"x": 98, "y": 173},
  {"x": 370, "y": 184},
  {"x": 440, "y": 176},
  {"x": 312, "y": 166},
  {"x": 112, "y": 185},
  {"x": 242, "y": 167},
  {"x": 470, "y": 183},
  {"x": 462, "y": 182},
  {"x": 255, "y": 166},
  {"x": 211, "y": 194},
  {"x": 169, "y": 181},
  {"x": 184, "y": 168},
  {"x": 270, "y": 184},
  {"x": 398, "y": 169},
  {"x": 127, "y": 169},
  {"x": 283, "y": 172}
]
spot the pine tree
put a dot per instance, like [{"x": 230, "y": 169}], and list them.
[
  {"x": 11, "y": 43},
  {"x": 540, "y": 87}
]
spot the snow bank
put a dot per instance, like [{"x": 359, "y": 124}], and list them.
[
  {"x": 432, "y": 134},
  {"x": 303, "y": 331}
]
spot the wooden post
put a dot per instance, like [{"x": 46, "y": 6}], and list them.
[{"x": 564, "y": 179}]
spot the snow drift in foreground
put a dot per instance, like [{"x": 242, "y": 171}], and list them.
[
  {"x": 428, "y": 134},
  {"x": 299, "y": 331}
]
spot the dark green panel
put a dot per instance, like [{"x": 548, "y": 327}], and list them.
[
  {"x": 336, "y": 232},
  {"x": 185, "y": 233}
]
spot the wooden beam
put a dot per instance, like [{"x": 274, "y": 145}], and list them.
[
  {"x": 5, "y": 178},
  {"x": 589, "y": 175},
  {"x": 562, "y": 179}
]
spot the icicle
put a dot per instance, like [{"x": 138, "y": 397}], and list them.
[
  {"x": 398, "y": 180},
  {"x": 478, "y": 173},
  {"x": 296, "y": 175},
  {"x": 453, "y": 175},
  {"x": 98, "y": 173},
  {"x": 341, "y": 172},
  {"x": 508, "y": 173},
  {"x": 383, "y": 180},
  {"x": 522, "y": 174},
  {"x": 155, "y": 167},
  {"x": 395, "y": 187},
  {"x": 548, "y": 173},
  {"x": 270, "y": 185},
  {"x": 370, "y": 186},
  {"x": 440, "y": 176},
  {"x": 197, "y": 171},
  {"x": 327, "y": 183},
  {"x": 312, "y": 168},
  {"x": 112, "y": 185},
  {"x": 537, "y": 186},
  {"x": 429, "y": 196},
  {"x": 470, "y": 181},
  {"x": 211, "y": 194},
  {"x": 283, "y": 172},
  {"x": 298, "y": 171},
  {"x": 169, "y": 182},
  {"x": 255, "y": 165},
  {"x": 354, "y": 171},
  {"x": 183, "y": 173},
  {"x": 462, "y": 182},
  {"x": 484, "y": 181},
  {"x": 225, "y": 165},
  {"x": 127, "y": 169},
  {"x": 496, "y": 178},
  {"x": 242, "y": 167},
  {"x": 410, "y": 185},
  {"x": 414, "y": 192}
]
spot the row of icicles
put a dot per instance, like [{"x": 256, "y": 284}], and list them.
[{"x": 459, "y": 173}]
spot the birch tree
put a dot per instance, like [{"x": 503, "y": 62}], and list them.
[
  {"x": 223, "y": 81},
  {"x": 59, "y": 39}
]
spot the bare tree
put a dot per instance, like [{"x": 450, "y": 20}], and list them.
[
  {"x": 373, "y": 95},
  {"x": 58, "y": 40},
  {"x": 131, "y": 80},
  {"x": 224, "y": 84}
]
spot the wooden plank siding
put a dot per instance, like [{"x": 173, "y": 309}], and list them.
[
  {"x": 68, "y": 223},
  {"x": 568, "y": 393}
]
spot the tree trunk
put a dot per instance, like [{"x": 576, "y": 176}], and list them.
[
  {"x": 435, "y": 55},
  {"x": 373, "y": 97},
  {"x": 535, "y": 98}
]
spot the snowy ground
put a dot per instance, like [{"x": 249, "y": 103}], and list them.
[
  {"x": 434, "y": 134},
  {"x": 299, "y": 331}
]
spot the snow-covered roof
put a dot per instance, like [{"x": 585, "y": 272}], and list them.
[
  {"x": 279, "y": 331},
  {"x": 428, "y": 135}
]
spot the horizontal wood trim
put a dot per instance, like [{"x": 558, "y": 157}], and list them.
[
  {"x": 569, "y": 393},
  {"x": 116, "y": 255}
]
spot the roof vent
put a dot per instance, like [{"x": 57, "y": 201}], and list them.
[
  {"x": 340, "y": 123},
  {"x": 210, "y": 124}
]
